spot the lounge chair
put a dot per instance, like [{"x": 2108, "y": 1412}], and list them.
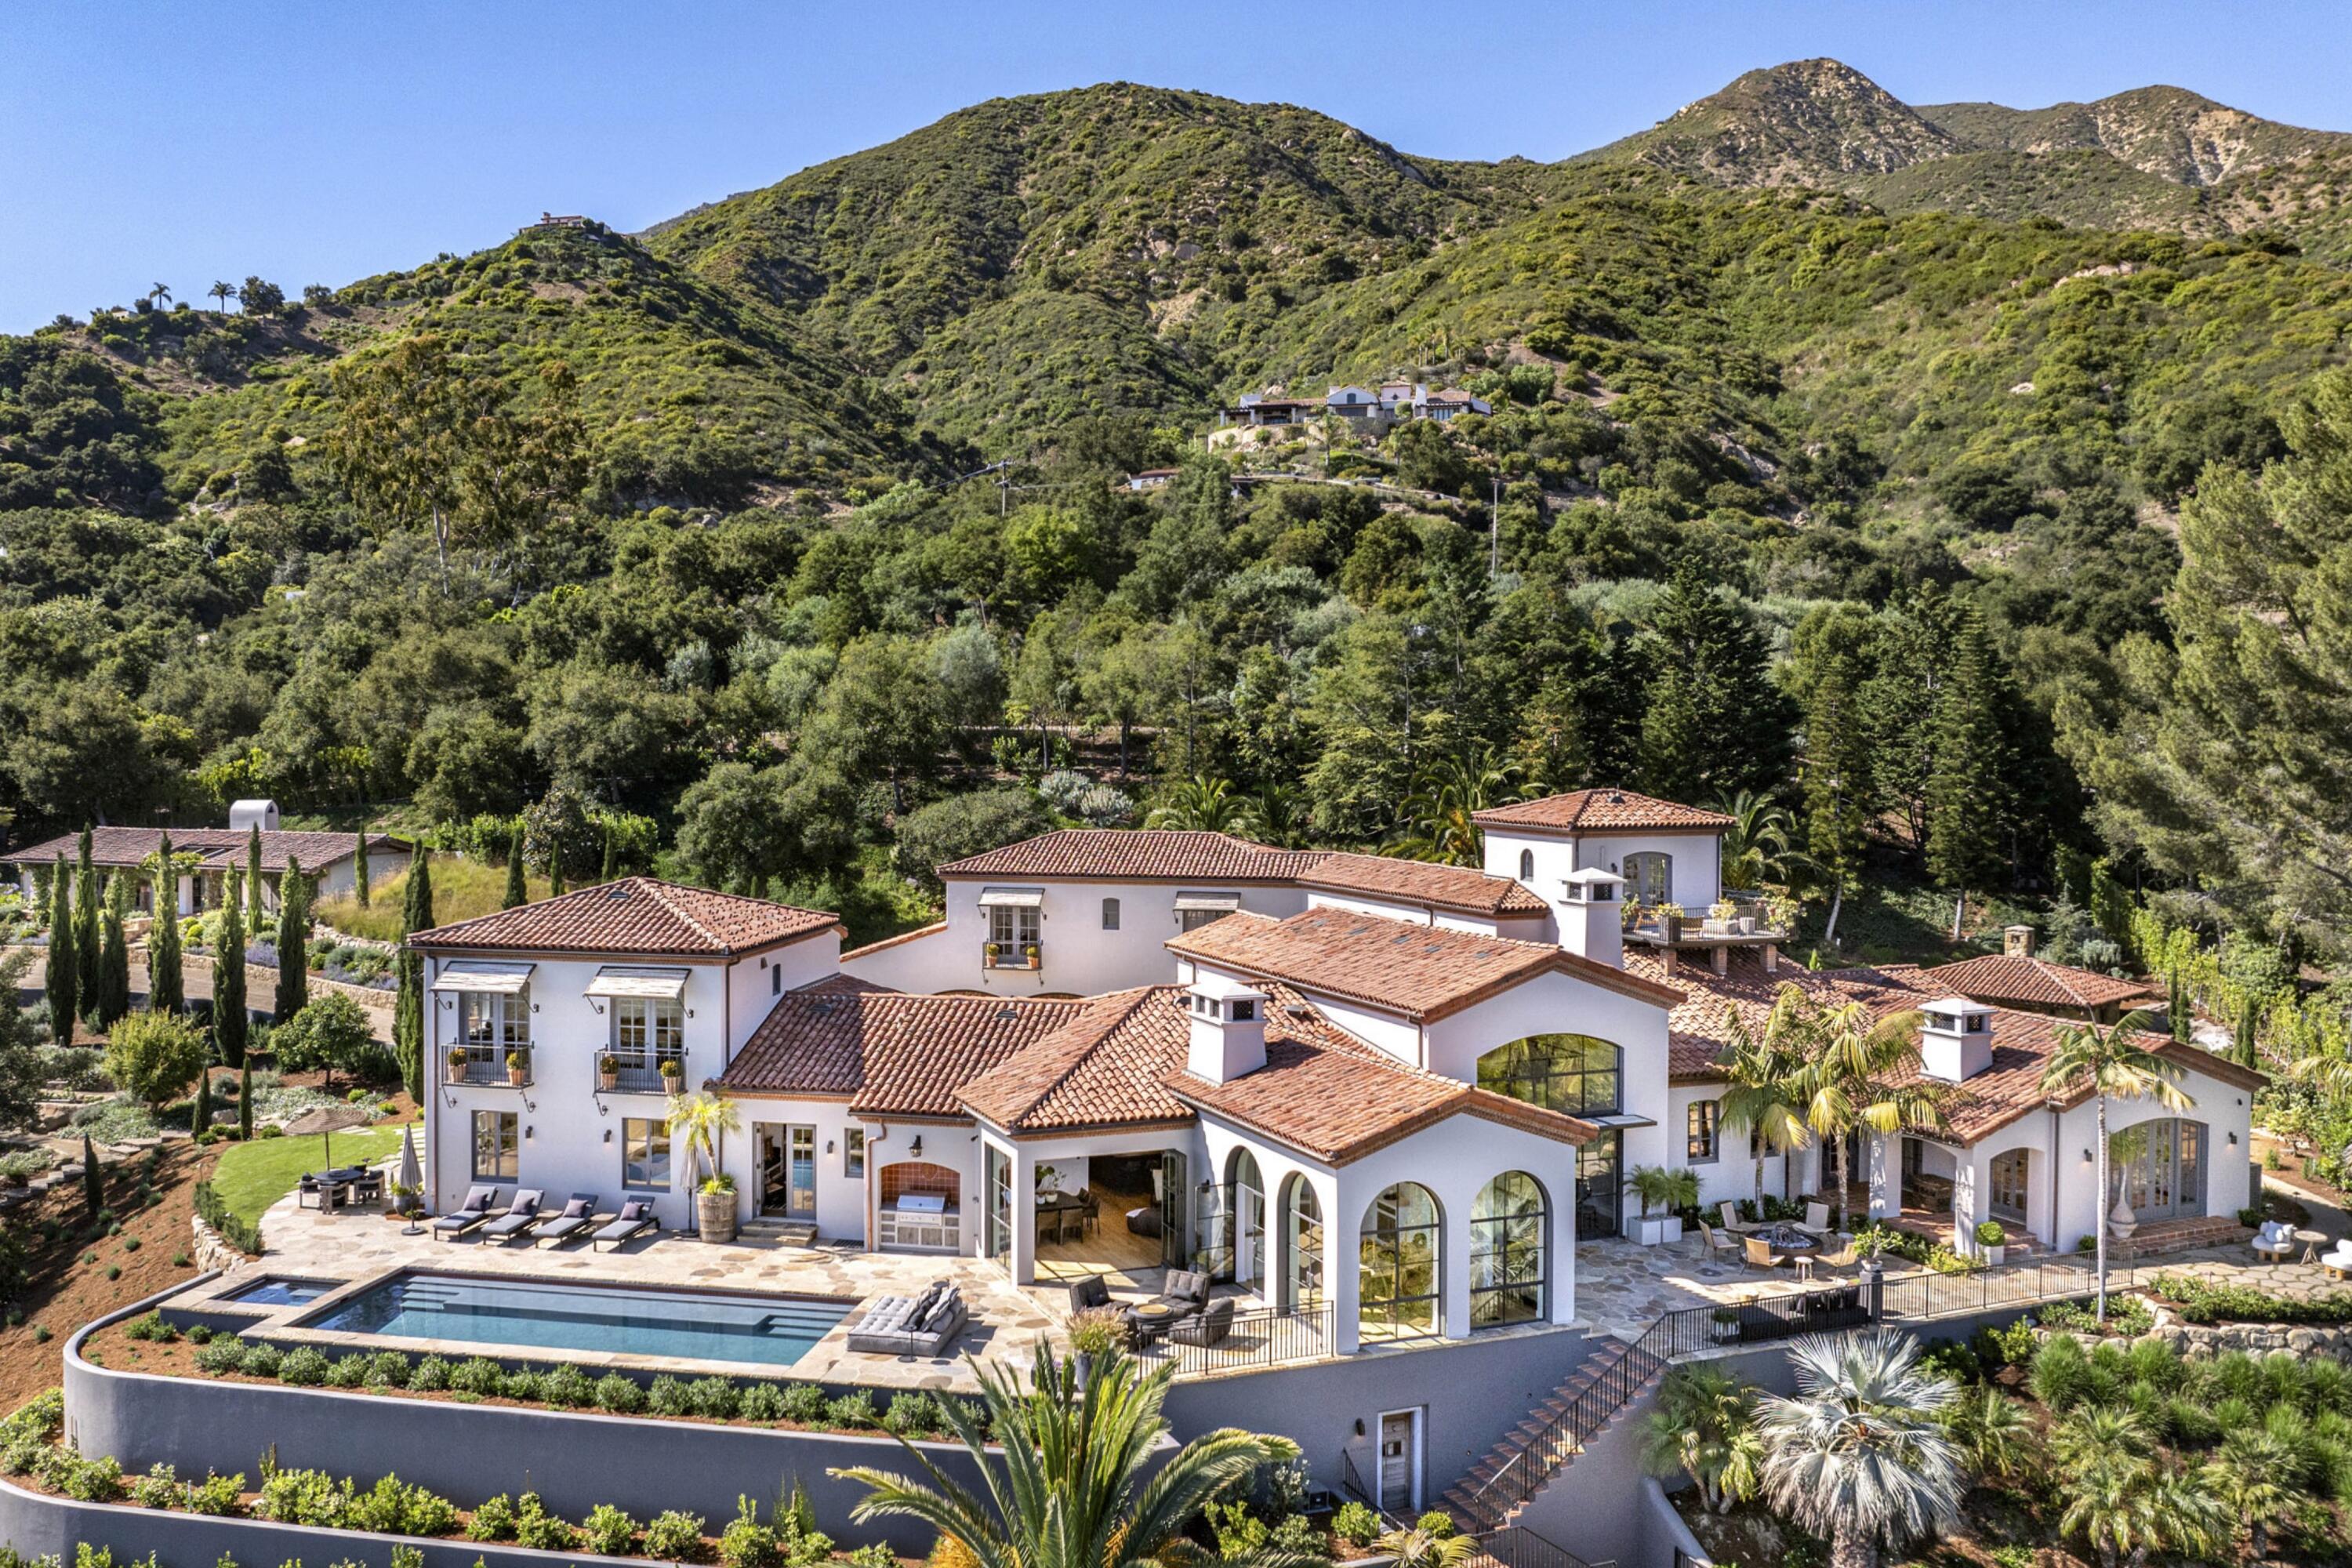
[
  {"x": 1186, "y": 1293},
  {"x": 922, "y": 1325},
  {"x": 2338, "y": 1262},
  {"x": 1731, "y": 1220},
  {"x": 1759, "y": 1252},
  {"x": 1091, "y": 1292},
  {"x": 1843, "y": 1258},
  {"x": 1718, "y": 1241},
  {"x": 2275, "y": 1241},
  {"x": 1206, "y": 1328},
  {"x": 578, "y": 1217},
  {"x": 1816, "y": 1221},
  {"x": 468, "y": 1216},
  {"x": 635, "y": 1218},
  {"x": 521, "y": 1216}
]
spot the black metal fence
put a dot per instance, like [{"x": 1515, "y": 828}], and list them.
[
  {"x": 1515, "y": 1546},
  {"x": 1927, "y": 1294},
  {"x": 1259, "y": 1338}
]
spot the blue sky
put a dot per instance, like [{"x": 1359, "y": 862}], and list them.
[{"x": 182, "y": 142}]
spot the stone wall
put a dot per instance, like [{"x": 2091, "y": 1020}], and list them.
[
  {"x": 214, "y": 1255},
  {"x": 2202, "y": 1342}
]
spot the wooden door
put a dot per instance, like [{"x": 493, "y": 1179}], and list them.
[{"x": 1399, "y": 1459}]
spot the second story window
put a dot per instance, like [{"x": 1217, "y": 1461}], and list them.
[
  {"x": 648, "y": 1031},
  {"x": 1012, "y": 931},
  {"x": 1110, "y": 914},
  {"x": 494, "y": 1024}
]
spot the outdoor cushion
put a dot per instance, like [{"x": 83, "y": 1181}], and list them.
[
  {"x": 477, "y": 1199},
  {"x": 1209, "y": 1328},
  {"x": 636, "y": 1209},
  {"x": 579, "y": 1208},
  {"x": 948, "y": 1303},
  {"x": 1187, "y": 1285}
]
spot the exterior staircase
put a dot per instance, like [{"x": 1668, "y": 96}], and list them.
[{"x": 1490, "y": 1495}]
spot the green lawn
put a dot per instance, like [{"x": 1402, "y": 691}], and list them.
[{"x": 252, "y": 1176}]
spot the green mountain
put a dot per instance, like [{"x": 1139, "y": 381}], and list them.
[
  {"x": 1809, "y": 122},
  {"x": 2166, "y": 132}
]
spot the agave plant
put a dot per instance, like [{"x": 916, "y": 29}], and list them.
[{"x": 1858, "y": 1453}]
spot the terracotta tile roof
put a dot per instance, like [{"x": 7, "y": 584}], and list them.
[
  {"x": 1104, "y": 1067},
  {"x": 1141, "y": 855},
  {"x": 1458, "y": 888},
  {"x": 2010, "y": 1087},
  {"x": 2029, "y": 982},
  {"x": 220, "y": 847},
  {"x": 1416, "y": 971},
  {"x": 888, "y": 1053},
  {"x": 1602, "y": 811},
  {"x": 634, "y": 915}
]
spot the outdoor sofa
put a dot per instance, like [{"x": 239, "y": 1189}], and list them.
[
  {"x": 922, "y": 1325},
  {"x": 1207, "y": 1327}
]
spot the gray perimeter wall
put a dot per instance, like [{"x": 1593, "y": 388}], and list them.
[{"x": 1469, "y": 1395}]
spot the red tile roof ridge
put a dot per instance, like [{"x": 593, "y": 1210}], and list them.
[
  {"x": 1464, "y": 889},
  {"x": 2024, "y": 978},
  {"x": 1142, "y": 854},
  {"x": 1601, "y": 810}
]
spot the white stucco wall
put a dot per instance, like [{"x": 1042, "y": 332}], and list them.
[
  {"x": 1697, "y": 868},
  {"x": 1732, "y": 1173}
]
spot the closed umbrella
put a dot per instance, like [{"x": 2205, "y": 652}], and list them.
[
  {"x": 326, "y": 1121},
  {"x": 411, "y": 1179}
]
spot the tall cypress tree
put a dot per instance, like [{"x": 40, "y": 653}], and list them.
[
  {"x": 611, "y": 866},
  {"x": 201, "y": 1119},
  {"x": 85, "y": 932},
  {"x": 1830, "y": 664},
  {"x": 114, "y": 953},
  {"x": 229, "y": 1024},
  {"x": 59, "y": 979},
  {"x": 2248, "y": 1050},
  {"x": 293, "y": 941},
  {"x": 1967, "y": 783},
  {"x": 165, "y": 991},
  {"x": 360, "y": 868},
  {"x": 518, "y": 889},
  {"x": 408, "y": 1007},
  {"x": 253, "y": 880},
  {"x": 245, "y": 1099}
]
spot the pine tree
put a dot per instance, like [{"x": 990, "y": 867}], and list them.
[
  {"x": 201, "y": 1119},
  {"x": 114, "y": 954},
  {"x": 1715, "y": 723},
  {"x": 85, "y": 927},
  {"x": 408, "y": 966},
  {"x": 1966, "y": 787},
  {"x": 166, "y": 989},
  {"x": 244, "y": 1099},
  {"x": 555, "y": 871},
  {"x": 230, "y": 1026},
  {"x": 93, "y": 1184},
  {"x": 359, "y": 869},
  {"x": 518, "y": 889},
  {"x": 1830, "y": 664},
  {"x": 59, "y": 979},
  {"x": 293, "y": 941},
  {"x": 253, "y": 880},
  {"x": 2177, "y": 1006}
]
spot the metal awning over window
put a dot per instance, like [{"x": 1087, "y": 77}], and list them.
[
  {"x": 617, "y": 980},
  {"x": 1011, "y": 897},
  {"x": 1615, "y": 1118},
  {"x": 1225, "y": 904},
  {"x": 496, "y": 979}
]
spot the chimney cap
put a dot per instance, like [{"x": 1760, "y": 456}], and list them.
[{"x": 1589, "y": 875}]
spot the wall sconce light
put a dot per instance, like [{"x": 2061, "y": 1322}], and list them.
[
  {"x": 1359, "y": 1425},
  {"x": 608, "y": 1135},
  {"x": 916, "y": 1148},
  {"x": 829, "y": 1145},
  {"x": 2086, "y": 1156},
  {"x": 2234, "y": 1140},
  {"x": 526, "y": 1132}
]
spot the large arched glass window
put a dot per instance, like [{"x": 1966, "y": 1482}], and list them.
[
  {"x": 1302, "y": 1247},
  {"x": 1650, "y": 877},
  {"x": 1575, "y": 1073},
  {"x": 1401, "y": 1266},
  {"x": 1507, "y": 1276}
]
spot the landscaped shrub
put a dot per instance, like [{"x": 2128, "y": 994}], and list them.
[
  {"x": 2203, "y": 1301},
  {"x": 303, "y": 1367},
  {"x": 29, "y": 1429},
  {"x": 430, "y": 1375},
  {"x": 159, "y": 1488},
  {"x": 910, "y": 1413},
  {"x": 303, "y": 1496},
  {"x": 673, "y": 1536},
  {"x": 608, "y": 1531},
  {"x": 1439, "y": 1523},
  {"x": 534, "y": 1526},
  {"x": 621, "y": 1395},
  {"x": 387, "y": 1368},
  {"x": 349, "y": 1372},
  {"x": 520, "y": 1384},
  {"x": 714, "y": 1398},
  {"x": 853, "y": 1411},
  {"x": 477, "y": 1374},
  {"x": 260, "y": 1360},
  {"x": 216, "y": 1494},
  {"x": 222, "y": 1355},
  {"x": 151, "y": 1327},
  {"x": 567, "y": 1387},
  {"x": 245, "y": 1237},
  {"x": 667, "y": 1396},
  {"x": 761, "y": 1402},
  {"x": 493, "y": 1519},
  {"x": 1357, "y": 1525},
  {"x": 804, "y": 1403},
  {"x": 382, "y": 1508},
  {"x": 428, "y": 1513},
  {"x": 746, "y": 1542}
]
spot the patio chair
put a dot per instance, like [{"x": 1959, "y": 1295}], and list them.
[
  {"x": 635, "y": 1219},
  {"x": 1184, "y": 1293},
  {"x": 521, "y": 1219},
  {"x": 468, "y": 1216},
  {"x": 1208, "y": 1327},
  {"x": 1089, "y": 1211},
  {"x": 1718, "y": 1241},
  {"x": 1760, "y": 1251},
  {"x": 1731, "y": 1220},
  {"x": 578, "y": 1217},
  {"x": 1843, "y": 1258},
  {"x": 2338, "y": 1262},
  {"x": 1816, "y": 1222},
  {"x": 1091, "y": 1292},
  {"x": 2275, "y": 1241}
]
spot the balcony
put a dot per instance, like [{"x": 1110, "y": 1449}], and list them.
[
  {"x": 490, "y": 1067},
  {"x": 1748, "y": 924},
  {"x": 1014, "y": 955},
  {"x": 642, "y": 1076}
]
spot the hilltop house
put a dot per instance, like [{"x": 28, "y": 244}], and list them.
[{"x": 329, "y": 860}]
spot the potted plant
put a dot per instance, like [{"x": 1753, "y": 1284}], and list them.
[
  {"x": 696, "y": 1122},
  {"x": 991, "y": 950},
  {"x": 518, "y": 1066},
  {"x": 1049, "y": 1180},
  {"x": 672, "y": 1076},
  {"x": 714, "y": 1207},
  {"x": 1094, "y": 1333},
  {"x": 1723, "y": 1323},
  {"x": 1029, "y": 951},
  {"x": 1719, "y": 915},
  {"x": 1670, "y": 921},
  {"x": 1780, "y": 910},
  {"x": 402, "y": 1202},
  {"x": 1991, "y": 1241},
  {"x": 608, "y": 1073},
  {"x": 456, "y": 1064},
  {"x": 1659, "y": 1188}
]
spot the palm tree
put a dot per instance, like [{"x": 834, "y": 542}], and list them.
[
  {"x": 221, "y": 294},
  {"x": 1846, "y": 1083},
  {"x": 1445, "y": 796},
  {"x": 2125, "y": 1502},
  {"x": 1992, "y": 1432},
  {"x": 1760, "y": 846},
  {"x": 1078, "y": 1482},
  {"x": 1857, "y": 1455},
  {"x": 1761, "y": 1098},
  {"x": 1705, "y": 1427},
  {"x": 2260, "y": 1479},
  {"x": 1418, "y": 1547},
  {"x": 696, "y": 1121},
  {"x": 2115, "y": 1065},
  {"x": 1275, "y": 815},
  {"x": 1199, "y": 803},
  {"x": 158, "y": 296}
]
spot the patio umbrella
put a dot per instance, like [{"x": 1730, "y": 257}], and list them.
[
  {"x": 326, "y": 1121},
  {"x": 410, "y": 1178}
]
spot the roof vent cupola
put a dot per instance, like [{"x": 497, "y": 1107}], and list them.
[
  {"x": 1228, "y": 1028},
  {"x": 1591, "y": 915},
  {"x": 2017, "y": 941},
  {"x": 1954, "y": 1039}
]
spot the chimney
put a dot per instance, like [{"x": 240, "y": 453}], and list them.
[
  {"x": 1954, "y": 1039},
  {"x": 1591, "y": 916},
  {"x": 2017, "y": 941},
  {"x": 1228, "y": 1028},
  {"x": 249, "y": 813}
]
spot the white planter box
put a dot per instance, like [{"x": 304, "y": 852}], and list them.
[{"x": 1659, "y": 1230}]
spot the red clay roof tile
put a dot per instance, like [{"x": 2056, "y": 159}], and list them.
[
  {"x": 1115, "y": 853},
  {"x": 1602, "y": 811},
  {"x": 634, "y": 915},
  {"x": 1458, "y": 888}
]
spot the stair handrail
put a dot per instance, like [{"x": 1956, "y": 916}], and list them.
[{"x": 1586, "y": 1414}]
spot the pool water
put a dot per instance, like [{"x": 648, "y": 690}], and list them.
[
  {"x": 274, "y": 1291},
  {"x": 761, "y": 1330}
]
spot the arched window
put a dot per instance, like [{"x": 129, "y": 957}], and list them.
[
  {"x": 1507, "y": 1276},
  {"x": 1244, "y": 1219},
  {"x": 1527, "y": 865},
  {"x": 1401, "y": 1266},
  {"x": 1302, "y": 1247},
  {"x": 1650, "y": 877},
  {"x": 1575, "y": 1073}
]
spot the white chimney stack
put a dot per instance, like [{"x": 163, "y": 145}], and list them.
[
  {"x": 1228, "y": 1028},
  {"x": 1954, "y": 1039},
  {"x": 1591, "y": 916},
  {"x": 250, "y": 814}
]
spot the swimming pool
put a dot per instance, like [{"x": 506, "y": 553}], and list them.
[
  {"x": 277, "y": 1290},
  {"x": 525, "y": 1314}
]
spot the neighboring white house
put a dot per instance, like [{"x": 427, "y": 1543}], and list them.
[{"x": 329, "y": 860}]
